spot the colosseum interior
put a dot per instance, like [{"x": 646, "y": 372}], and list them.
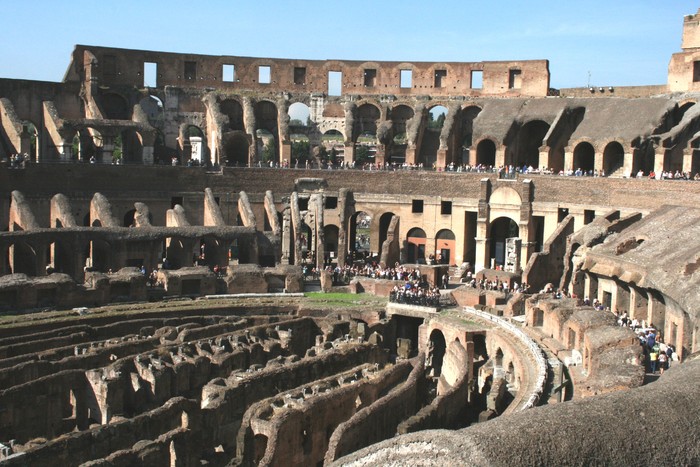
[{"x": 175, "y": 248}]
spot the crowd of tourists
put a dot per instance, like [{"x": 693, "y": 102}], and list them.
[
  {"x": 494, "y": 284},
  {"x": 416, "y": 293}
]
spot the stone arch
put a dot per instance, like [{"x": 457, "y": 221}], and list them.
[
  {"x": 153, "y": 107},
  {"x": 445, "y": 246},
  {"x": 499, "y": 230},
  {"x": 23, "y": 258},
  {"x": 400, "y": 115},
  {"x": 266, "y": 120},
  {"x": 436, "y": 352},
  {"x": 486, "y": 153},
  {"x": 234, "y": 111},
  {"x": 530, "y": 139},
  {"x": 613, "y": 158},
  {"x": 435, "y": 116},
  {"x": 505, "y": 196},
  {"x": 30, "y": 130},
  {"x": 415, "y": 245},
  {"x": 115, "y": 106},
  {"x": 464, "y": 138},
  {"x": 128, "y": 147},
  {"x": 367, "y": 118},
  {"x": 584, "y": 156},
  {"x": 235, "y": 146},
  {"x": 194, "y": 143},
  {"x": 100, "y": 255},
  {"x": 300, "y": 111}
]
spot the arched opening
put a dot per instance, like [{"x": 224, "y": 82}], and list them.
[
  {"x": 584, "y": 157},
  {"x": 613, "y": 159},
  {"x": 400, "y": 115},
  {"x": 299, "y": 118},
  {"x": 332, "y": 147},
  {"x": 23, "y": 259},
  {"x": 211, "y": 253},
  {"x": 498, "y": 359},
  {"x": 445, "y": 246},
  {"x": 87, "y": 145},
  {"x": 435, "y": 119},
  {"x": 330, "y": 235},
  {"x": 30, "y": 131},
  {"x": 267, "y": 147},
  {"x": 115, "y": 107},
  {"x": 267, "y": 133},
  {"x": 415, "y": 245},
  {"x": 234, "y": 111},
  {"x": 384, "y": 221},
  {"x": 436, "y": 352},
  {"x": 366, "y": 122},
  {"x": 260, "y": 446},
  {"x": 501, "y": 229},
  {"x": 161, "y": 154},
  {"x": 359, "y": 235},
  {"x": 236, "y": 148},
  {"x": 682, "y": 109},
  {"x": 486, "y": 153},
  {"x": 530, "y": 139},
  {"x": 100, "y": 255},
  {"x": 62, "y": 258},
  {"x": 152, "y": 106},
  {"x": 467, "y": 117},
  {"x": 129, "y": 218},
  {"x": 128, "y": 148},
  {"x": 194, "y": 137}
]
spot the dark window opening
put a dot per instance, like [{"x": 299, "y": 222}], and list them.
[
  {"x": 299, "y": 75},
  {"x": 191, "y": 70},
  {"x": 440, "y": 76},
  {"x": 446, "y": 207},
  {"x": 588, "y": 216},
  {"x": 216, "y": 200},
  {"x": 370, "y": 78},
  {"x": 696, "y": 71},
  {"x": 562, "y": 213},
  {"x": 417, "y": 206},
  {"x": 331, "y": 202},
  {"x": 515, "y": 79},
  {"x": 303, "y": 204}
]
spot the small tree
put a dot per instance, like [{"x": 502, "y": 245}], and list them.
[{"x": 361, "y": 154}]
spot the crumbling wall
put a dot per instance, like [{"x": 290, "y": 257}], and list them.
[
  {"x": 547, "y": 266},
  {"x": 445, "y": 410},
  {"x": 378, "y": 421}
]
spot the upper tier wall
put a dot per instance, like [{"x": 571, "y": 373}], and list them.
[{"x": 114, "y": 67}]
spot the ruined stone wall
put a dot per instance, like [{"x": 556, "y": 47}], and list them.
[
  {"x": 126, "y": 68},
  {"x": 379, "y": 421},
  {"x": 447, "y": 407}
]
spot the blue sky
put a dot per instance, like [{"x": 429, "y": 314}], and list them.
[{"x": 621, "y": 43}]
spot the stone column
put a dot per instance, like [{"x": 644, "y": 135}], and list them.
[
  {"x": 688, "y": 160},
  {"x": 349, "y": 155},
  {"x": 410, "y": 154},
  {"x": 568, "y": 159}
]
